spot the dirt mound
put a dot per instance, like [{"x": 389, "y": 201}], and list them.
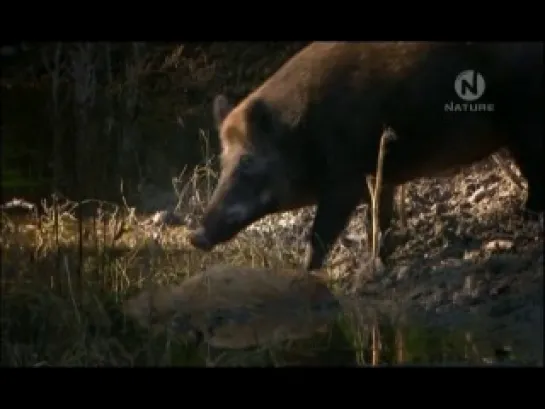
[
  {"x": 234, "y": 307},
  {"x": 467, "y": 260}
]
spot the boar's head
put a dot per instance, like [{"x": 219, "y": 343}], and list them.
[{"x": 257, "y": 176}]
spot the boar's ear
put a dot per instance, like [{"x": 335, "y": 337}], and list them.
[
  {"x": 221, "y": 109},
  {"x": 261, "y": 117}
]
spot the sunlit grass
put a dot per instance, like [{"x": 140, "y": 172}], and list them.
[{"x": 63, "y": 303}]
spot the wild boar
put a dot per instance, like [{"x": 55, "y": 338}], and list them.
[{"x": 310, "y": 133}]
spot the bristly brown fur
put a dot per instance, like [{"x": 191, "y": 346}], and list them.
[{"x": 234, "y": 130}]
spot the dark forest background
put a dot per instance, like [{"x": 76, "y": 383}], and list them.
[{"x": 79, "y": 118}]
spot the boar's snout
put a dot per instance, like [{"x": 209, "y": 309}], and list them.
[
  {"x": 229, "y": 213},
  {"x": 250, "y": 187},
  {"x": 199, "y": 240},
  {"x": 223, "y": 221}
]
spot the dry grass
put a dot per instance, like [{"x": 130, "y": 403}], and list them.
[{"x": 64, "y": 292}]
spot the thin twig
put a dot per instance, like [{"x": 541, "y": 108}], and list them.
[{"x": 376, "y": 189}]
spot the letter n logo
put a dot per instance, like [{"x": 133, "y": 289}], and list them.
[{"x": 469, "y": 85}]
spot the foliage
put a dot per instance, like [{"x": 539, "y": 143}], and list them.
[
  {"x": 64, "y": 285},
  {"x": 105, "y": 112}
]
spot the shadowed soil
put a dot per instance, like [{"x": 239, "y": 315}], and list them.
[
  {"x": 465, "y": 262},
  {"x": 466, "y": 272}
]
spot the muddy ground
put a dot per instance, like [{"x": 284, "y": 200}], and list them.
[{"x": 465, "y": 261}]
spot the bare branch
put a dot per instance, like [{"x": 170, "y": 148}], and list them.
[{"x": 387, "y": 136}]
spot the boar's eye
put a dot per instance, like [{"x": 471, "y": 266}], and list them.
[
  {"x": 245, "y": 161},
  {"x": 247, "y": 164},
  {"x": 249, "y": 167}
]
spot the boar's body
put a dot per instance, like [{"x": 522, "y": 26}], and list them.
[{"x": 310, "y": 133}]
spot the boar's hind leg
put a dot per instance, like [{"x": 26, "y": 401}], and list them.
[
  {"x": 333, "y": 212},
  {"x": 527, "y": 152},
  {"x": 391, "y": 201},
  {"x": 400, "y": 205}
]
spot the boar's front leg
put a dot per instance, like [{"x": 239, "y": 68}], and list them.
[{"x": 332, "y": 215}]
